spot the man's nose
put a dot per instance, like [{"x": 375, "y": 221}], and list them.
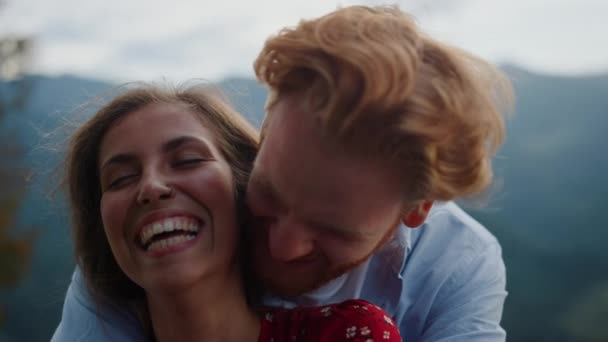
[
  {"x": 153, "y": 188},
  {"x": 289, "y": 241}
]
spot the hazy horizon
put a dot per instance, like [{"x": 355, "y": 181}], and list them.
[{"x": 122, "y": 41}]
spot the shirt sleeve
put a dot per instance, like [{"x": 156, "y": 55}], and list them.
[
  {"x": 84, "y": 320},
  {"x": 469, "y": 305}
]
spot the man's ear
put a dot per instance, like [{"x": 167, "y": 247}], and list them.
[{"x": 416, "y": 216}]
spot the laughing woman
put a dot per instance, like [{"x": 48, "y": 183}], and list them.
[{"x": 156, "y": 181}]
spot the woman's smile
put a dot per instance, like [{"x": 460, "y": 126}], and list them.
[{"x": 170, "y": 234}]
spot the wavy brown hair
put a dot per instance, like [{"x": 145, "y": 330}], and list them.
[
  {"x": 237, "y": 140},
  {"x": 378, "y": 83}
]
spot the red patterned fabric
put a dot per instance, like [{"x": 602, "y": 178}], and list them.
[{"x": 352, "y": 321}]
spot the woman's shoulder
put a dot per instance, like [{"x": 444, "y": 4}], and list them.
[
  {"x": 358, "y": 320},
  {"x": 351, "y": 320}
]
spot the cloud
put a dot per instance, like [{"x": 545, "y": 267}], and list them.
[
  {"x": 551, "y": 36},
  {"x": 137, "y": 39},
  {"x": 419, "y": 7}
]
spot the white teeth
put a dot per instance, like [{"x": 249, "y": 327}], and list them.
[
  {"x": 166, "y": 243},
  {"x": 170, "y": 224}
]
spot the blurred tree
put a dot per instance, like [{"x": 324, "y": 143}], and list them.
[
  {"x": 587, "y": 318},
  {"x": 15, "y": 252}
]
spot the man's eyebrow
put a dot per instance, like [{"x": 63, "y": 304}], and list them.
[
  {"x": 334, "y": 229},
  {"x": 268, "y": 190},
  {"x": 341, "y": 229}
]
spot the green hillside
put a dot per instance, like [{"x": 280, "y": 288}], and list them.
[{"x": 546, "y": 212}]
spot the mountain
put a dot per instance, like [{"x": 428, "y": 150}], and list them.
[{"x": 545, "y": 210}]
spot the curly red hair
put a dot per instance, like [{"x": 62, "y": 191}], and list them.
[{"x": 380, "y": 84}]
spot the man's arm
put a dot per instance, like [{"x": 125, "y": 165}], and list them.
[
  {"x": 469, "y": 305},
  {"x": 83, "y": 320}
]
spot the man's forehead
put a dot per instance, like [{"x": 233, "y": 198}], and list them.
[
  {"x": 292, "y": 128},
  {"x": 289, "y": 114}
]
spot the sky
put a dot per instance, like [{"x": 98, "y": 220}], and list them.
[{"x": 128, "y": 40}]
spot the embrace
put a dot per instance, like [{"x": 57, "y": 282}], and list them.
[{"x": 334, "y": 223}]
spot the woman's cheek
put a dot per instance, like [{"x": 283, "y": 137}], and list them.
[{"x": 112, "y": 213}]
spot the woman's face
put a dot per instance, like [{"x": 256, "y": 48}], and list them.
[{"x": 167, "y": 204}]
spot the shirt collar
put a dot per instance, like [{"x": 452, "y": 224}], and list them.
[{"x": 395, "y": 251}]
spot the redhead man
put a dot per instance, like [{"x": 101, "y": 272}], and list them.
[{"x": 372, "y": 129}]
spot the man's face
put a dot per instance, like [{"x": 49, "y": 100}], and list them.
[{"x": 319, "y": 211}]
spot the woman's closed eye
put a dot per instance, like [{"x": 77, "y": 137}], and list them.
[
  {"x": 189, "y": 161},
  {"x": 189, "y": 158},
  {"x": 120, "y": 181}
]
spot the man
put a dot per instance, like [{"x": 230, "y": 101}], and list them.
[{"x": 371, "y": 129}]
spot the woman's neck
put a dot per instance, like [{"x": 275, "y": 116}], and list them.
[{"x": 213, "y": 310}]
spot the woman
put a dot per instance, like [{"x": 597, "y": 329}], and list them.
[{"x": 156, "y": 180}]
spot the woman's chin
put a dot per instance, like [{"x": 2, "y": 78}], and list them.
[{"x": 176, "y": 282}]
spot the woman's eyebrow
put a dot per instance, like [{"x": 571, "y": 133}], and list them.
[
  {"x": 122, "y": 158},
  {"x": 178, "y": 142}
]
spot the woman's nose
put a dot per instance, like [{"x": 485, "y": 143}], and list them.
[{"x": 153, "y": 188}]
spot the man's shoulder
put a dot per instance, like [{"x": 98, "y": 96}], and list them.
[
  {"x": 447, "y": 248},
  {"x": 447, "y": 262},
  {"x": 457, "y": 217},
  {"x": 449, "y": 239},
  {"x": 450, "y": 227},
  {"x": 84, "y": 319}
]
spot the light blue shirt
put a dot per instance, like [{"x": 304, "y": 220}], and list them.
[{"x": 444, "y": 281}]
